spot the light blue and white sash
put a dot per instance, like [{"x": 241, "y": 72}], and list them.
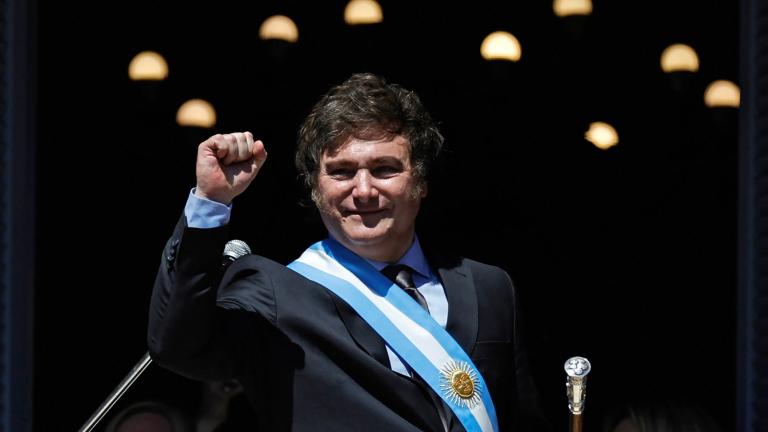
[{"x": 406, "y": 327}]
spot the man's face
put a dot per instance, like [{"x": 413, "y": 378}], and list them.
[{"x": 369, "y": 197}]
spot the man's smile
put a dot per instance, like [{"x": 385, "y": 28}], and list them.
[{"x": 363, "y": 212}]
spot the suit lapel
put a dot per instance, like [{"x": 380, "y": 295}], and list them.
[
  {"x": 462, "y": 309},
  {"x": 361, "y": 332},
  {"x": 462, "y": 305},
  {"x": 462, "y": 312},
  {"x": 373, "y": 344}
]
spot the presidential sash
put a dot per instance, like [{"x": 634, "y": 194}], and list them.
[{"x": 406, "y": 327}]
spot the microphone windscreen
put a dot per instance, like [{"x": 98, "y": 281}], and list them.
[{"x": 234, "y": 249}]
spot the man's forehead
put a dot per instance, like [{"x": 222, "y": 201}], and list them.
[{"x": 355, "y": 146}]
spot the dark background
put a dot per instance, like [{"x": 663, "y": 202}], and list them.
[{"x": 625, "y": 256}]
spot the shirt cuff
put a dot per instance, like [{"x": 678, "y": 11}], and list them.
[{"x": 204, "y": 213}]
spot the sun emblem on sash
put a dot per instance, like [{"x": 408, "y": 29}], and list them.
[{"x": 460, "y": 384}]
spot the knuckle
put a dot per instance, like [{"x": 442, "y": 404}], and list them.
[{"x": 212, "y": 140}]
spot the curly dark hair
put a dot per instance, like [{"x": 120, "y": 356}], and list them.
[{"x": 366, "y": 106}]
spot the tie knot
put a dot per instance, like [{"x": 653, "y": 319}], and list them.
[{"x": 400, "y": 274}]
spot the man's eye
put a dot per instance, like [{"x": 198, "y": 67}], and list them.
[
  {"x": 341, "y": 173},
  {"x": 384, "y": 171}
]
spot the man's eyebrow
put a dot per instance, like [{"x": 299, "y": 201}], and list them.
[
  {"x": 387, "y": 159},
  {"x": 340, "y": 162},
  {"x": 350, "y": 162}
]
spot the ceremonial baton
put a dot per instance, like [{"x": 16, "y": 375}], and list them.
[{"x": 577, "y": 369}]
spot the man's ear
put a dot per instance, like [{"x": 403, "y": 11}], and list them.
[{"x": 424, "y": 189}]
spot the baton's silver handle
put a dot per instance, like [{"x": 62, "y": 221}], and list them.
[{"x": 577, "y": 369}]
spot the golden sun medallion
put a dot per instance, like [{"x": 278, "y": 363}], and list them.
[{"x": 460, "y": 384}]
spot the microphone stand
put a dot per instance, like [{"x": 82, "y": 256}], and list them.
[
  {"x": 121, "y": 388},
  {"x": 577, "y": 369},
  {"x": 233, "y": 250}
]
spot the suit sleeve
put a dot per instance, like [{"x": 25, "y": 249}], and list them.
[
  {"x": 188, "y": 332},
  {"x": 530, "y": 416},
  {"x": 501, "y": 353}
]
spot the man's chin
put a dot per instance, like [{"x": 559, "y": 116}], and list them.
[
  {"x": 364, "y": 236},
  {"x": 367, "y": 220},
  {"x": 365, "y": 239},
  {"x": 361, "y": 235}
]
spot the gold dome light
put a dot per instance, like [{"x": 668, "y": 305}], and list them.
[
  {"x": 501, "y": 45},
  {"x": 279, "y": 27},
  {"x": 363, "y": 12},
  {"x": 196, "y": 113},
  {"x": 602, "y": 135},
  {"x": 148, "y": 66},
  {"x": 679, "y": 57},
  {"x": 722, "y": 93},
  {"x": 564, "y": 8}
]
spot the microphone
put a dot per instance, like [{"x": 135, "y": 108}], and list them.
[{"x": 233, "y": 250}]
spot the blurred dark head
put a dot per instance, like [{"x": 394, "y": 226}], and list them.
[
  {"x": 661, "y": 416},
  {"x": 149, "y": 416}
]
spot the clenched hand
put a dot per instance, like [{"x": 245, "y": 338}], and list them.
[{"x": 226, "y": 165}]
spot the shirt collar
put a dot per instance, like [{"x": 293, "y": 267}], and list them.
[{"x": 413, "y": 258}]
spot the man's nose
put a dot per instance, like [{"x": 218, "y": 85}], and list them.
[{"x": 364, "y": 187}]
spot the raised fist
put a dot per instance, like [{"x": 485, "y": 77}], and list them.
[{"x": 226, "y": 165}]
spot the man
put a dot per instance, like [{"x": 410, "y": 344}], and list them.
[{"x": 330, "y": 343}]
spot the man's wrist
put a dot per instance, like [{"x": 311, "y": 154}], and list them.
[
  {"x": 200, "y": 194},
  {"x": 203, "y": 212}
]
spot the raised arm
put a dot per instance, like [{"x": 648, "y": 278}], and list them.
[{"x": 188, "y": 333}]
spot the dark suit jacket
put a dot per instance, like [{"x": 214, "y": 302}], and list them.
[{"x": 305, "y": 358}]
